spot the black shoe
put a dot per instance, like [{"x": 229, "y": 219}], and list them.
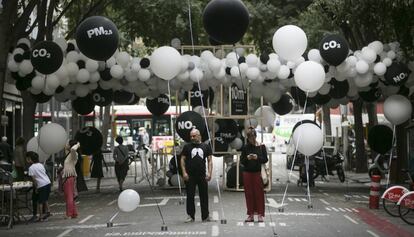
[{"x": 33, "y": 219}]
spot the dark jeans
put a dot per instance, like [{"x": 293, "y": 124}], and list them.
[{"x": 203, "y": 193}]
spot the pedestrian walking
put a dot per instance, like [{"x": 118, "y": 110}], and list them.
[
  {"x": 69, "y": 178},
  {"x": 121, "y": 162}
]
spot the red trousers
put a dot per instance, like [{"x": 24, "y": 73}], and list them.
[
  {"x": 254, "y": 193},
  {"x": 69, "y": 191}
]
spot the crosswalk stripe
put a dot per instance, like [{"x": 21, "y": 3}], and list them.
[
  {"x": 290, "y": 199},
  {"x": 216, "y": 200},
  {"x": 348, "y": 209},
  {"x": 251, "y": 224},
  {"x": 304, "y": 199},
  {"x": 355, "y": 210},
  {"x": 341, "y": 209},
  {"x": 262, "y": 224},
  {"x": 240, "y": 223},
  {"x": 324, "y": 202},
  {"x": 328, "y": 209},
  {"x": 366, "y": 197},
  {"x": 282, "y": 224},
  {"x": 297, "y": 199},
  {"x": 333, "y": 208},
  {"x": 272, "y": 224}
]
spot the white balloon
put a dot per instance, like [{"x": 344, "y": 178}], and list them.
[
  {"x": 368, "y": 55},
  {"x": 252, "y": 73},
  {"x": 81, "y": 90},
  {"x": 95, "y": 77},
  {"x": 314, "y": 55},
  {"x": 362, "y": 67},
  {"x": 266, "y": 115},
  {"x": 391, "y": 54},
  {"x": 377, "y": 46},
  {"x": 62, "y": 72},
  {"x": 176, "y": 43},
  {"x": 72, "y": 69},
  {"x": 117, "y": 71},
  {"x": 196, "y": 75},
  {"x": 309, "y": 76},
  {"x": 128, "y": 200},
  {"x": 72, "y": 57},
  {"x": 12, "y": 66},
  {"x": 144, "y": 74},
  {"x": 243, "y": 68},
  {"x": 214, "y": 64},
  {"x": 26, "y": 67},
  {"x": 33, "y": 145},
  {"x": 380, "y": 68},
  {"x": 237, "y": 143},
  {"x": 251, "y": 122},
  {"x": 363, "y": 80},
  {"x": 234, "y": 72},
  {"x": 83, "y": 76},
  {"x": 52, "y": 81},
  {"x": 110, "y": 62},
  {"x": 206, "y": 55},
  {"x": 131, "y": 75},
  {"x": 182, "y": 77},
  {"x": 290, "y": 42},
  {"x": 231, "y": 59},
  {"x": 123, "y": 59},
  {"x": 309, "y": 138},
  {"x": 91, "y": 65},
  {"x": 166, "y": 62},
  {"x": 38, "y": 82},
  {"x": 52, "y": 138},
  {"x": 251, "y": 60},
  {"x": 397, "y": 109},
  {"x": 273, "y": 65},
  {"x": 351, "y": 60},
  {"x": 284, "y": 72},
  {"x": 387, "y": 61}
]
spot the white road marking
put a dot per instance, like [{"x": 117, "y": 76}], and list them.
[
  {"x": 262, "y": 224},
  {"x": 372, "y": 233},
  {"x": 351, "y": 220},
  {"x": 282, "y": 224},
  {"x": 272, "y": 224},
  {"x": 356, "y": 196},
  {"x": 240, "y": 223},
  {"x": 51, "y": 205},
  {"x": 65, "y": 232},
  {"x": 348, "y": 209},
  {"x": 216, "y": 200},
  {"x": 324, "y": 202},
  {"x": 215, "y": 215},
  {"x": 365, "y": 196},
  {"x": 298, "y": 214},
  {"x": 327, "y": 208},
  {"x": 304, "y": 199},
  {"x": 162, "y": 203},
  {"x": 273, "y": 203},
  {"x": 157, "y": 233},
  {"x": 86, "y": 219},
  {"x": 355, "y": 210},
  {"x": 288, "y": 195},
  {"x": 333, "y": 208},
  {"x": 290, "y": 199},
  {"x": 361, "y": 201},
  {"x": 297, "y": 199},
  {"x": 215, "y": 230},
  {"x": 111, "y": 202},
  {"x": 325, "y": 194},
  {"x": 341, "y": 209}
]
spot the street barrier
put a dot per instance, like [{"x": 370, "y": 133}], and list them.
[{"x": 374, "y": 194}]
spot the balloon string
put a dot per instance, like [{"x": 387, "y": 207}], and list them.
[
  {"x": 191, "y": 25},
  {"x": 390, "y": 161},
  {"x": 175, "y": 152},
  {"x": 238, "y": 66}
]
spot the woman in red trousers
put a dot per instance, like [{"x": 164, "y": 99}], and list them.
[
  {"x": 252, "y": 157},
  {"x": 69, "y": 178}
]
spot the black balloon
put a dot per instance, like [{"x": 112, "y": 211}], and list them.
[
  {"x": 159, "y": 105},
  {"x": 380, "y": 138},
  {"x": 397, "y": 74},
  {"x": 196, "y": 96},
  {"x": 97, "y": 38},
  {"x": 185, "y": 123},
  {"x": 46, "y": 57},
  {"x": 213, "y": 42},
  {"x": 227, "y": 129},
  {"x": 83, "y": 105},
  {"x": 264, "y": 58},
  {"x": 370, "y": 96},
  {"x": 23, "y": 84},
  {"x": 220, "y": 145},
  {"x": 41, "y": 98},
  {"x": 334, "y": 49},
  {"x": 404, "y": 91},
  {"x": 105, "y": 74},
  {"x": 320, "y": 99},
  {"x": 102, "y": 97},
  {"x": 226, "y": 21},
  {"x": 302, "y": 122},
  {"x": 18, "y": 58},
  {"x": 284, "y": 105},
  {"x": 90, "y": 140},
  {"x": 144, "y": 63},
  {"x": 339, "y": 89},
  {"x": 124, "y": 97},
  {"x": 300, "y": 97}
]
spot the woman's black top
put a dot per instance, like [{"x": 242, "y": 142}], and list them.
[{"x": 253, "y": 165}]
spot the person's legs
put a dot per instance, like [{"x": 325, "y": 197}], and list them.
[
  {"x": 203, "y": 192},
  {"x": 248, "y": 192},
  {"x": 69, "y": 186},
  {"x": 190, "y": 188},
  {"x": 35, "y": 198},
  {"x": 258, "y": 194},
  {"x": 98, "y": 185}
]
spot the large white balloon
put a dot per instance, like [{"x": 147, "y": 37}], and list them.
[
  {"x": 166, "y": 62},
  {"x": 397, "y": 109},
  {"x": 290, "y": 42},
  {"x": 267, "y": 115},
  {"x": 128, "y": 200},
  {"x": 52, "y": 138},
  {"x": 33, "y": 145},
  {"x": 309, "y": 76},
  {"x": 309, "y": 138}
]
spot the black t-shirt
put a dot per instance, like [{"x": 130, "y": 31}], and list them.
[
  {"x": 253, "y": 165},
  {"x": 196, "y": 155}
]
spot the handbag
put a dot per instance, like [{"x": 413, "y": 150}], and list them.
[{"x": 264, "y": 173}]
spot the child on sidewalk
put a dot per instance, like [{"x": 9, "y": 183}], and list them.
[{"x": 41, "y": 184}]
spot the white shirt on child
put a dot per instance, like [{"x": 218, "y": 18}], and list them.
[{"x": 38, "y": 173}]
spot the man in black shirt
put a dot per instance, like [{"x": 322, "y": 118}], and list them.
[{"x": 193, "y": 164}]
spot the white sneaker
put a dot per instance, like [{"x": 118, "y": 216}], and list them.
[{"x": 189, "y": 219}]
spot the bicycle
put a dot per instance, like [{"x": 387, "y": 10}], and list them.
[{"x": 399, "y": 201}]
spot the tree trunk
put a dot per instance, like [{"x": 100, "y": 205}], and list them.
[
  {"x": 361, "y": 159},
  {"x": 396, "y": 176},
  {"x": 372, "y": 120},
  {"x": 106, "y": 125},
  {"x": 29, "y": 109}
]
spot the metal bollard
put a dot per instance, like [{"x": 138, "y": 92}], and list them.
[{"x": 374, "y": 194}]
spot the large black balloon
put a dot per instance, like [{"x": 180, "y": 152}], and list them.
[
  {"x": 227, "y": 129},
  {"x": 226, "y": 21},
  {"x": 284, "y": 105},
  {"x": 320, "y": 99},
  {"x": 102, "y": 97},
  {"x": 124, "y": 97},
  {"x": 46, "y": 57},
  {"x": 339, "y": 89},
  {"x": 159, "y": 105},
  {"x": 97, "y": 38},
  {"x": 370, "y": 96},
  {"x": 220, "y": 145},
  {"x": 397, "y": 74},
  {"x": 380, "y": 138},
  {"x": 300, "y": 97},
  {"x": 185, "y": 123},
  {"x": 302, "y": 122},
  {"x": 334, "y": 49},
  {"x": 90, "y": 140},
  {"x": 41, "y": 98},
  {"x": 83, "y": 105}
]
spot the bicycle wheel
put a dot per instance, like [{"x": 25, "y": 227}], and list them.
[
  {"x": 406, "y": 208},
  {"x": 390, "y": 207}
]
